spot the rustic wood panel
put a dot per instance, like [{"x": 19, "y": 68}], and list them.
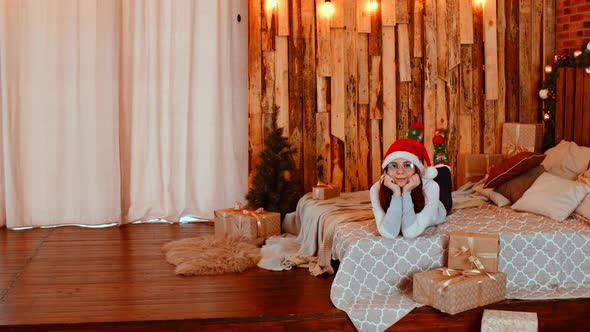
[
  {"x": 337, "y": 20},
  {"x": 416, "y": 91},
  {"x": 254, "y": 84},
  {"x": 364, "y": 136},
  {"x": 353, "y": 165},
  {"x": 477, "y": 73},
  {"x": 363, "y": 68},
  {"x": 405, "y": 68},
  {"x": 308, "y": 94},
  {"x": 324, "y": 52},
  {"x": 388, "y": 12},
  {"x": 337, "y": 84},
  {"x": 402, "y": 13},
  {"x": 524, "y": 65},
  {"x": 501, "y": 50},
  {"x": 389, "y": 87},
  {"x": 283, "y": 17},
  {"x": 548, "y": 31},
  {"x": 434, "y": 74},
  {"x": 491, "y": 49},
  {"x": 417, "y": 28},
  {"x": 375, "y": 111},
  {"x": 512, "y": 61},
  {"x": 282, "y": 82},
  {"x": 363, "y": 18},
  {"x": 430, "y": 71},
  {"x": 323, "y": 147},
  {"x": 466, "y": 21},
  {"x": 375, "y": 150}
]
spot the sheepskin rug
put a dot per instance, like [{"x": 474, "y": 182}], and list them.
[{"x": 210, "y": 255}]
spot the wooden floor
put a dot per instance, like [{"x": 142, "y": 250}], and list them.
[{"x": 116, "y": 279}]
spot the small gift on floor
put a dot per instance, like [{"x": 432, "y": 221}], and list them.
[
  {"x": 454, "y": 291},
  {"x": 519, "y": 137},
  {"x": 325, "y": 191},
  {"x": 509, "y": 321},
  {"x": 251, "y": 224},
  {"x": 473, "y": 251}
]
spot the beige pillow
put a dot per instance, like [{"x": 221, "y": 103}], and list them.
[
  {"x": 552, "y": 196},
  {"x": 567, "y": 160},
  {"x": 493, "y": 196}
]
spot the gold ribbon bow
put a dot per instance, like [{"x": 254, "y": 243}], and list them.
[
  {"x": 472, "y": 256},
  {"x": 256, "y": 214},
  {"x": 513, "y": 149},
  {"x": 452, "y": 276}
]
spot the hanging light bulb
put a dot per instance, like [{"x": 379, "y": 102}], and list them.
[
  {"x": 543, "y": 93},
  {"x": 577, "y": 53},
  {"x": 372, "y": 6},
  {"x": 546, "y": 116},
  {"x": 328, "y": 8},
  {"x": 271, "y": 4},
  {"x": 588, "y": 46},
  {"x": 588, "y": 70}
]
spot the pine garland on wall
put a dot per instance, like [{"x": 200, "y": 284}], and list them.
[{"x": 548, "y": 92}]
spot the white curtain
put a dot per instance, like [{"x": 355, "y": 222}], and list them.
[{"x": 116, "y": 111}]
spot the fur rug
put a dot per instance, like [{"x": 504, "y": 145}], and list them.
[{"x": 210, "y": 255}]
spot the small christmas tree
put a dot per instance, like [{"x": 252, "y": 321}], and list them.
[{"x": 274, "y": 187}]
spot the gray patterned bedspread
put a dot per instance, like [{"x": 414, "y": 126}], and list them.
[{"x": 542, "y": 258}]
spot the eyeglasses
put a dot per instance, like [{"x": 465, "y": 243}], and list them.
[{"x": 406, "y": 167}]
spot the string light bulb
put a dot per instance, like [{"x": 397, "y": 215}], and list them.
[
  {"x": 548, "y": 69},
  {"x": 546, "y": 116},
  {"x": 372, "y": 6},
  {"x": 577, "y": 53},
  {"x": 588, "y": 69},
  {"x": 328, "y": 8}
]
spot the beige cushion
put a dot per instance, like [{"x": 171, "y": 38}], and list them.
[
  {"x": 552, "y": 196},
  {"x": 584, "y": 207},
  {"x": 490, "y": 194},
  {"x": 567, "y": 160}
]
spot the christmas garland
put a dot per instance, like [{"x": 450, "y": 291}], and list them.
[{"x": 576, "y": 59}]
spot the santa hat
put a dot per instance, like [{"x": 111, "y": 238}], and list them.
[{"x": 414, "y": 152}]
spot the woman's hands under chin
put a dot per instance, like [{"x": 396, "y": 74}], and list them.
[
  {"x": 413, "y": 182},
  {"x": 389, "y": 182}
]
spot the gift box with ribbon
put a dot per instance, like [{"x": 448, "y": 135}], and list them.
[
  {"x": 325, "y": 191},
  {"x": 474, "y": 167},
  {"x": 520, "y": 137},
  {"x": 247, "y": 223},
  {"x": 502, "y": 320},
  {"x": 473, "y": 251},
  {"x": 454, "y": 291}
]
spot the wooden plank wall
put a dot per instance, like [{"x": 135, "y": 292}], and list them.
[{"x": 348, "y": 85}]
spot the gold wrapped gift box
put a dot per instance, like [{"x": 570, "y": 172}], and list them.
[
  {"x": 325, "y": 191},
  {"x": 468, "y": 250},
  {"x": 519, "y": 137},
  {"x": 247, "y": 223},
  {"x": 474, "y": 167},
  {"x": 509, "y": 321},
  {"x": 453, "y": 292}
]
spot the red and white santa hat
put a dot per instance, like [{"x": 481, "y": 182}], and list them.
[{"x": 414, "y": 152}]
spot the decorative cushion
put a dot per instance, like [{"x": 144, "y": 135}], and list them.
[
  {"x": 567, "y": 160},
  {"x": 512, "y": 167},
  {"x": 490, "y": 194},
  {"x": 513, "y": 189},
  {"x": 584, "y": 208},
  {"x": 552, "y": 196}
]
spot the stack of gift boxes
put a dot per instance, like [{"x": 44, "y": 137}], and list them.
[{"x": 470, "y": 280}]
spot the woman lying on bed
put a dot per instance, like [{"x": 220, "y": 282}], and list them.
[{"x": 409, "y": 197}]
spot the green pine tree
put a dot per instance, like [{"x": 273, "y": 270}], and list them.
[{"x": 275, "y": 186}]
